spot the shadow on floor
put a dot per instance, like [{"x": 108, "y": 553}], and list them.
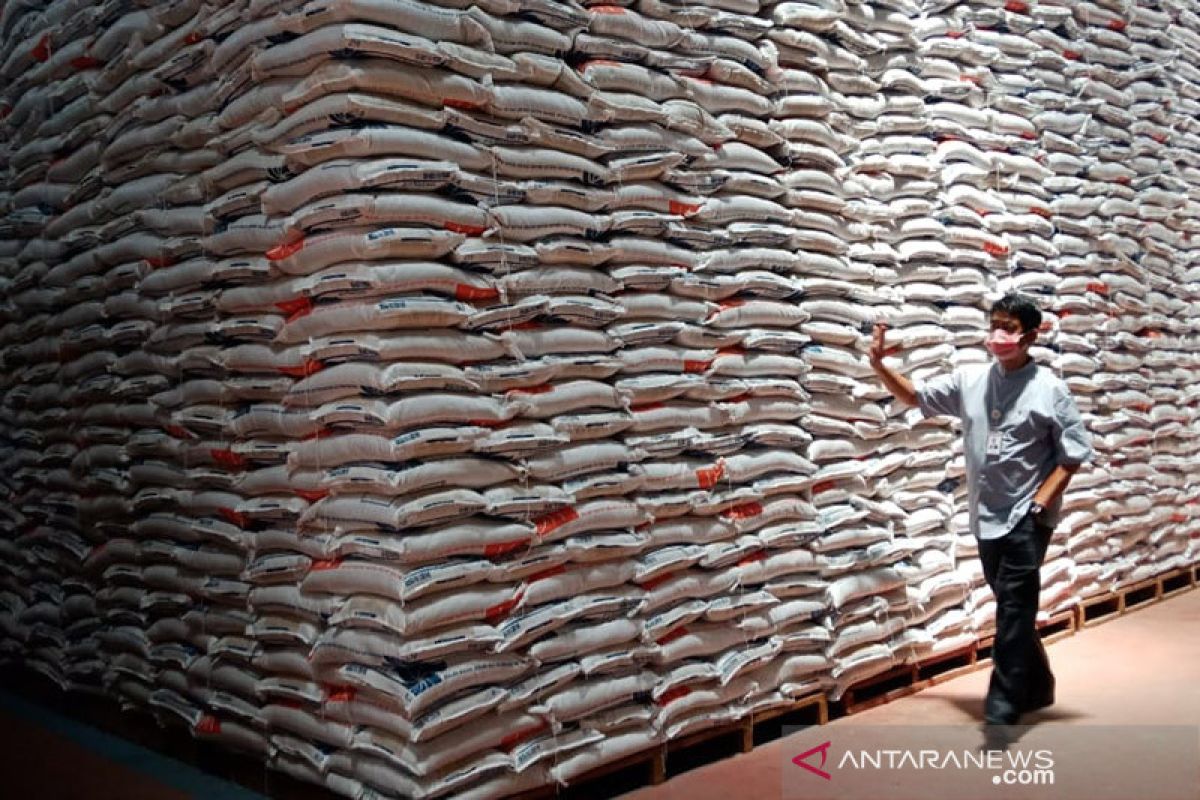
[{"x": 973, "y": 707}]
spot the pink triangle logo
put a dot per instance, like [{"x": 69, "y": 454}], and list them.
[{"x": 823, "y": 749}]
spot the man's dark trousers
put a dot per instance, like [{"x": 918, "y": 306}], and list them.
[{"x": 1021, "y": 678}]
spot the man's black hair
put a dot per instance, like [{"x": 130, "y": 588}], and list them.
[{"x": 1021, "y": 307}]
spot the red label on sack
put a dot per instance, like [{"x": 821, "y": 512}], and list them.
[
  {"x": 1044, "y": 213},
  {"x": 469, "y": 230},
  {"x": 1098, "y": 287},
  {"x": 1124, "y": 180},
  {"x": 232, "y": 516},
  {"x": 707, "y": 478},
  {"x": 995, "y": 250},
  {"x": 744, "y": 511},
  {"x": 296, "y": 308},
  {"x": 543, "y": 389},
  {"x": 753, "y": 558},
  {"x": 824, "y": 486},
  {"x": 552, "y": 522},
  {"x": 470, "y": 293},
  {"x": 41, "y": 51},
  {"x": 466, "y": 105},
  {"x": 179, "y": 432},
  {"x": 1161, "y": 138},
  {"x": 501, "y": 610},
  {"x": 520, "y": 735},
  {"x": 646, "y": 407},
  {"x": 160, "y": 262},
  {"x": 607, "y": 10},
  {"x": 657, "y": 581},
  {"x": 672, "y": 695},
  {"x": 683, "y": 209},
  {"x": 86, "y": 62},
  {"x": 311, "y": 495},
  {"x": 954, "y": 34},
  {"x": 696, "y": 366},
  {"x": 340, "y": 694},
  {"x": 228, "y": 458},
  {"x": 1072, "y": 55},
  {"x": 325, "y": 564},
  {"x": 672, "y": 635},
  {"x": 1118, "y": 25},
  {"x": 208, "y": 725},
  {"x": 561, "y": 569},
  {"x": 1178, "y": 517},
  {"x": 505, "y": 548},
  {"x": 310, "y": 367},
  {"x": 1029, "y": 135},
  {"x": 1017, "y": 7},
  {"x": 488, "y": 423},
  {"x": 285, "y": 250}
]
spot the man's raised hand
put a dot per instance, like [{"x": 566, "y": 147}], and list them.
[{"x": 878, "y": 348}]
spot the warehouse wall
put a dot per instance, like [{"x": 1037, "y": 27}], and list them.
[{"x": 437, "y": 397}]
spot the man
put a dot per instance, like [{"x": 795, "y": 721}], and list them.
[{"x": 1023, "y": 439}]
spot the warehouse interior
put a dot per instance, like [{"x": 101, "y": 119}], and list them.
[{"x": 472, "y": 398}]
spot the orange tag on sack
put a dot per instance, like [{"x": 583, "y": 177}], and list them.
[
  {"x": 499, "y": 549},
  {"x": 469, "y": 230},
  {"x": 472, "y": 293},
  {"x": 310, "y": 367},
  {"x": 552, "y": 522},
  {"x": 744, "y": 511},
  {"x": 672, "y": 695},
  {"x": 707, "y": 478},
  {"x": 283, "y": 251}
]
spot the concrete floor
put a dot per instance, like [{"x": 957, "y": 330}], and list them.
[
  {"x": 1140, "y": 669},
  {"x": 1143, "y": 668}
]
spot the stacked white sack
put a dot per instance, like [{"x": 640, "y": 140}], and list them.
[{"x": 423, "y": 397}]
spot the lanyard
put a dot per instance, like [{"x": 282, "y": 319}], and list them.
[{"x": 994, "y": 413}]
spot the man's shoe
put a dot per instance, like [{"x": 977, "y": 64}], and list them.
[
  {"x": 996, "y": 737},
  {"x": 992, "y": 719},
  {"x": 1035, "y": 705}
]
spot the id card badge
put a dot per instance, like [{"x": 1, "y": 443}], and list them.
[{"x": 994, "y": 441}]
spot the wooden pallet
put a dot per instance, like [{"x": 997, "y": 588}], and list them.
[
  {"x": 948, "y": 666},
  {"x": 892, "y": 684},
  {"x": 908, "y": 678},
  {"x": 1102, "y": 608},
  {"x": 1057, "y": 627},
  {"x": 656, "y": 764},
  {"x": 1178, "y": 582}
]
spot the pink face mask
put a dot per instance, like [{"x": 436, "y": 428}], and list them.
[{"x": 1004, "y": 344}]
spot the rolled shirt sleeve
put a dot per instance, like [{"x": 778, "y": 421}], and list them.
[
  {"x": 1072, "y": 442},
  {"x": 941, "y": 396}
]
